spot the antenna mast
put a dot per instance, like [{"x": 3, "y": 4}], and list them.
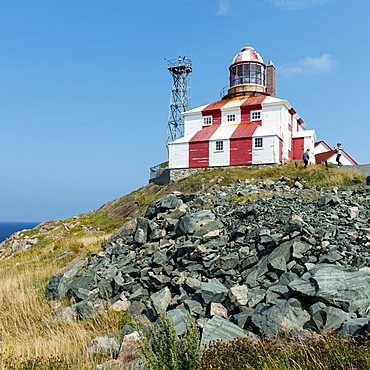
[{"x": 180, "y": 69}]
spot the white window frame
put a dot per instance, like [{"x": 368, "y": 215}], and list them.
[
  {"x": 257, "y": 115},
  {"x": 258, "y": 143},
  {"x": 219, "y": 146},
  {"x": 207, "y": 120},
  {"x": 230, "y": 118}
]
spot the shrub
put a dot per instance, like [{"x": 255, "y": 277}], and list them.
[{"x": 162, "y": 349}]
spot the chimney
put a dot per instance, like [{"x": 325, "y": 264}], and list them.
[{"x": 270, "y": 79}]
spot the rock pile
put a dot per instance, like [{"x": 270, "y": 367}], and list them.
[{"x": 295, "y": 260}]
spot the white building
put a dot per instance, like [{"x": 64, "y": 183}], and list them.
[
  {"x": 248, "y": 126},
  {"x": 325, "y": 154}
]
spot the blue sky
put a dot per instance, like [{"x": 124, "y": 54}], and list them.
[{"x": 84, "y": 89}]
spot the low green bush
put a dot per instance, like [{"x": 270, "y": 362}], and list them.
[{"x": 162, "y": 349}]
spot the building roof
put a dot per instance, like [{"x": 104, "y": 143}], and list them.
[
  {"x": 204, "y": 134},
  {"x": 238, "y": 102},
  {"x": 247, "y": 54},
  {"x": 305, "y": 133},
  {"x": 225, "y": 131},
  {"x": 253, "y": 100},
  {"x": 325, "y": 156},
  {"x": 246, "y": 129},
  {"x": 323, "y": 143}
]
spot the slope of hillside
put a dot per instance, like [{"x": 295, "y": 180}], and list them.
[
  {"x": 132, "y": 205},
  {"x": 30, "y": 258}
]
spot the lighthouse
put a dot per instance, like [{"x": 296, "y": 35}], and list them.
[{"x": 248, "y": 126}]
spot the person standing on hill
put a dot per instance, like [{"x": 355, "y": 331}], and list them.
[
  {"x": 306, "y": 157},
  {"x": 339, "y": 151}
]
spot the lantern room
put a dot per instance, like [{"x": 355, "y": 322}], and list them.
[{"x": 247, "y": 74}]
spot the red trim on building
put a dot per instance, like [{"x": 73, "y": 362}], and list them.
[
  {"x": 204, "y": 134},
  {"x": 292, "y": 111},
  {"x": 241, "y": 144},
  {"x": 344, "y": 152},
  {"x": 324, "y": 156},
  {"x": 214, "y": 110},
  {"x": 214, "y": 106},
  {"x": 199, "y": 154},
  {"x": 251, "y": 103},
  {"x": 298, "y": 148},
  {"x": 254, "y": 101},
  {"x": 240, "y": 151},
  {"x": 244, "y": 130},
  {"x": 322, "y": 142},
  {"x": 280, "y": 150}
]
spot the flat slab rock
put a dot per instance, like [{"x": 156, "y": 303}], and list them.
[
  {"x": 219, "y": 328},
  {"x": 336, "y": 286}
]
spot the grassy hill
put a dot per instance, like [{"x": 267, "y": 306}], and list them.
[{"x": 25, "y": 337}]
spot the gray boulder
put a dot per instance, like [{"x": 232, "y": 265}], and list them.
[
  {"x": 179, "y": 317},
  {"x": 354, "y": 327},
  {"x": 328, "y": 199},
  {"x": 219, "y": 328},
  {"x": 280, "y": 319},
  {"x": 81, "y": 286},
  {"x": 141, "y": 232},
  {"x": 105, "y": 344},
  {"x": 66, "y": 314},
  {"x": 86, "y": 310},
  {"x": 329, "y": 319},
  {"x": 127, "y": 229},
  {"x": 281, "y": 253},
  {"x": 336, "y": 286},
  {"x": 170, "y": 201},
  {"x": 161, "y": 299},
  {"x": 211, "y": 292},
  {"x": 195, "y": 222},
  {"x": 57, "y": 287}
]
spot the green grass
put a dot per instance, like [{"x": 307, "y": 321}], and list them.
[
  {"x": 147, "y": 199},
  {"x": 101, "y": 222},
  {"x": 242, "y": 199},
  {"x": 311, "y": 176}
]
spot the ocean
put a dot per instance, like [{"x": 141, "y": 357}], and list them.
[{"x": 9, "y": 228}]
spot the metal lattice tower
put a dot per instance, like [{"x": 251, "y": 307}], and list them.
[{"x": 180, "y": 69}]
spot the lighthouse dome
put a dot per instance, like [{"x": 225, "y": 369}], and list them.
[{"x": 247, "y": 54}]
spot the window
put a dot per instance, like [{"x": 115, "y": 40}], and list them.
[
  {"x": 258, "y": 142},
  {"x": 255, "y": 115},
  {"x": 207, "y": 121},
  {"x": 219, "y": 146},
  {"x": 247, "y": 73},
  {"x": 230, "y": 117}
]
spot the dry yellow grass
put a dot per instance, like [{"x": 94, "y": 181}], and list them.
[{"x": 24, "y": 310}]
